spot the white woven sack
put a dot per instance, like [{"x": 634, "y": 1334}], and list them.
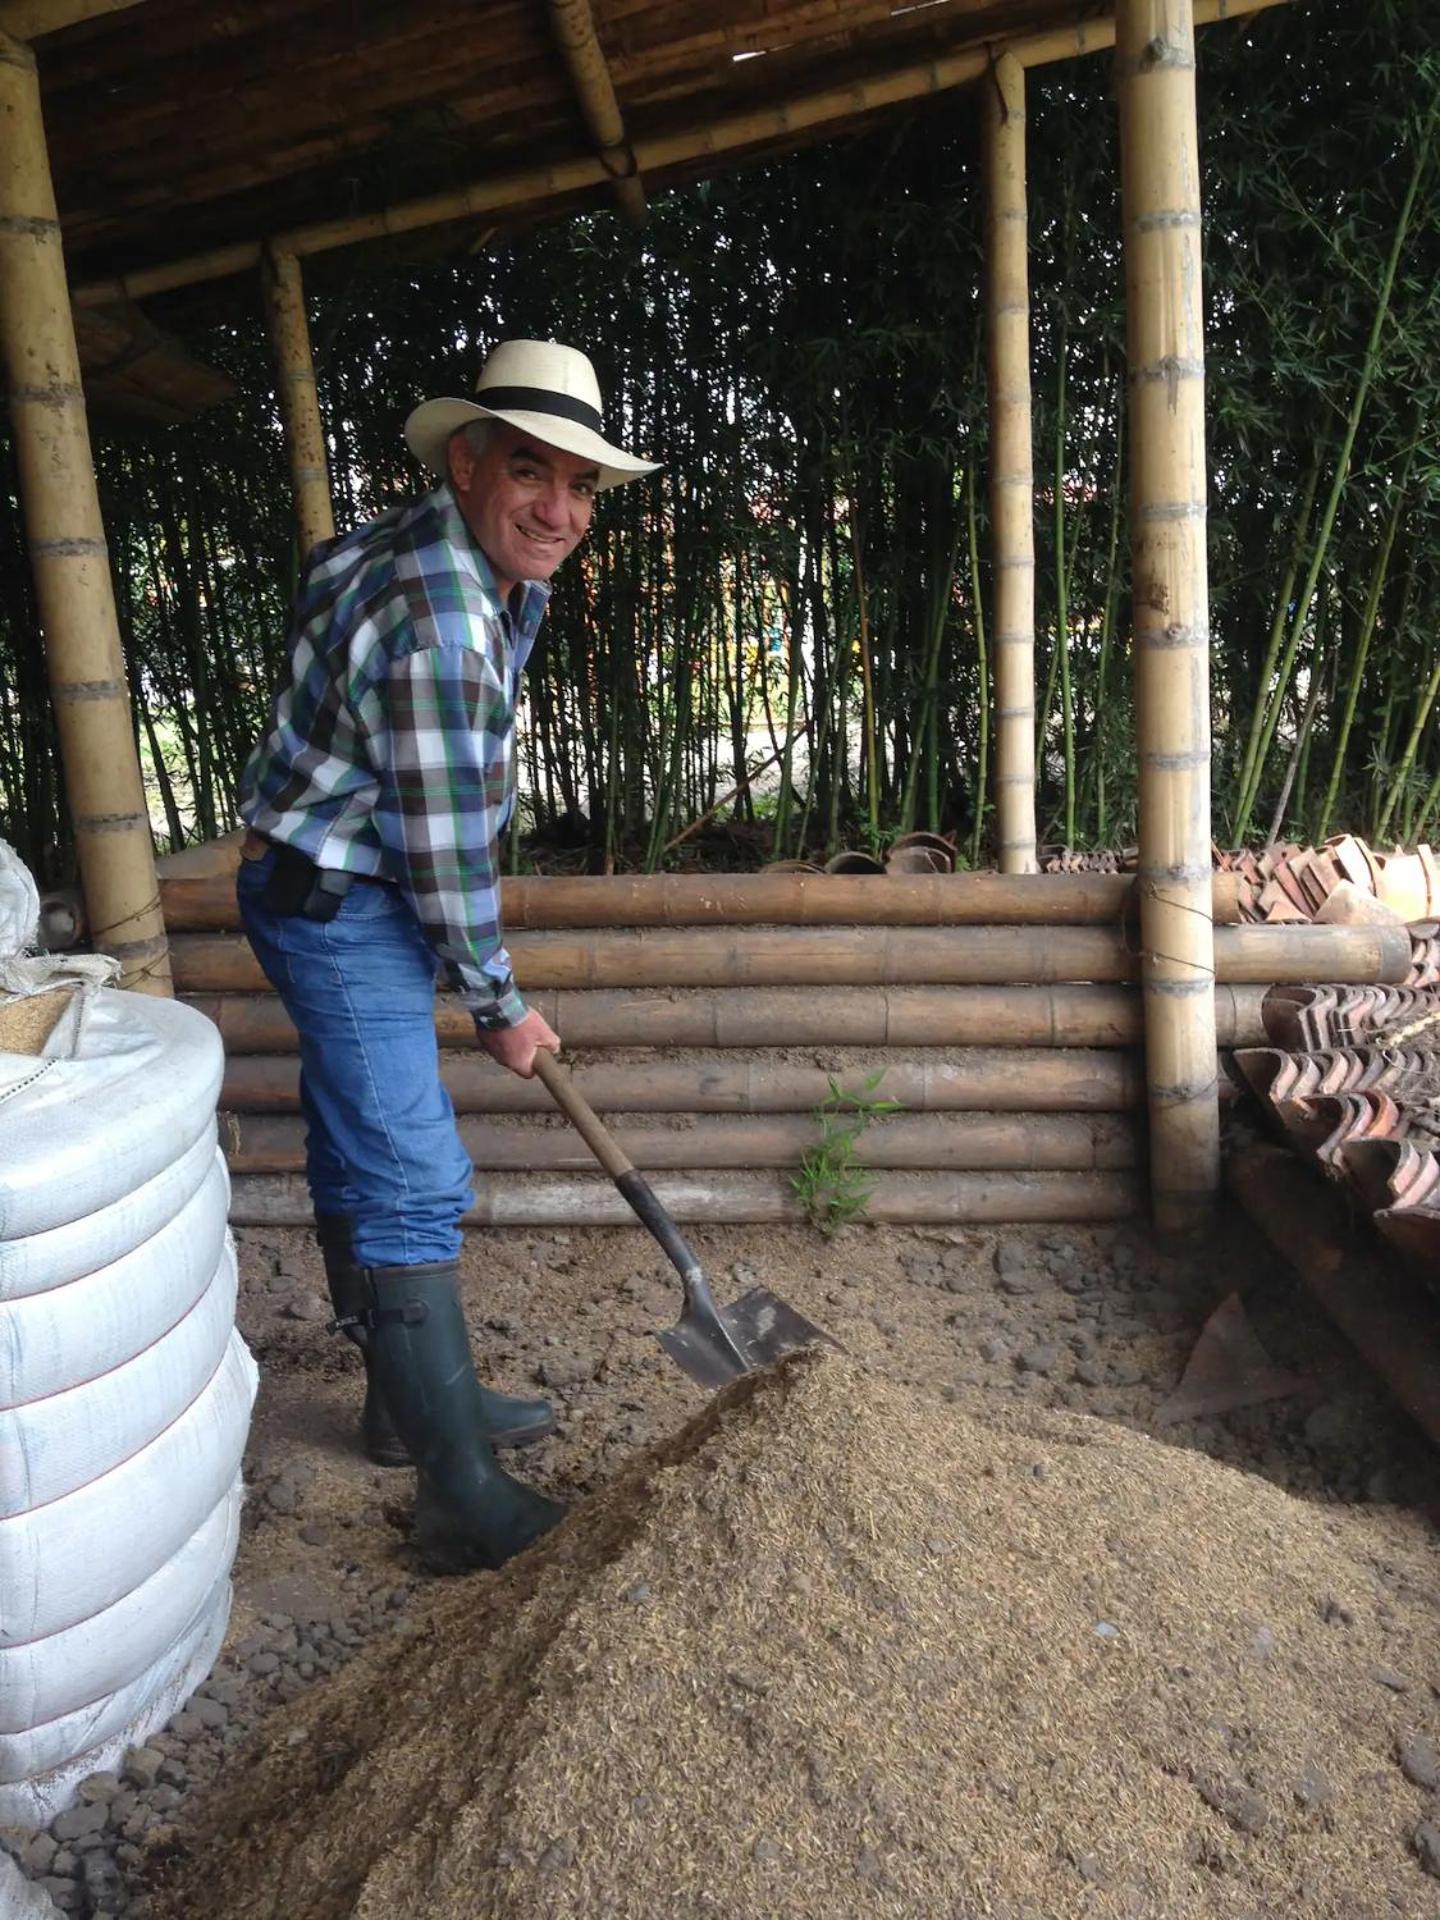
[
  {"x": 65, "y": 1562},
  {"x": 22, "y": 1898},
  {"x": 79, "y": 1134},
  {"x": 64, "y": 1672},
  {"x": 56, "y": 1340},
  {"x": 19, "y": 904},
  {"x": 52, "y": 1445},
  {"x": 197, "y": 1183},
  {"x": 40, "y": 1770}
]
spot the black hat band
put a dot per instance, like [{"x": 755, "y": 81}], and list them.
[{"x": 541, "y": 400}]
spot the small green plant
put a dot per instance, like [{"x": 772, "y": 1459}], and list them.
[{"x": 833, "y": 1183}]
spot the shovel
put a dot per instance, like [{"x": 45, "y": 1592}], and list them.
[{"x": 712, "y": 1344}]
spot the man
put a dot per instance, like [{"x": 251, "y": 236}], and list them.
[{"x": 374, "y": 803}]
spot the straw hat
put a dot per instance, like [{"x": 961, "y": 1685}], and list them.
[{"x": 543, "y": 389}]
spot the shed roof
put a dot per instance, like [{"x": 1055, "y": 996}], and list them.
[{"x": 184, "y": 126}]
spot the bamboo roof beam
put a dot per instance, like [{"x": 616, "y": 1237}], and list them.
[
  {"x": 574, "y": 28},
  {"x": 1012, "y": 475},
  {"x": 527, "y": 186},
  {"x": 299, "y": 404},
  {"x": 29, "y": 19},
  {"x": 1165, "y": 349},
  {"x": 66, "y": 540}
]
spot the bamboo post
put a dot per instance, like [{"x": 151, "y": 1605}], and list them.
[
  {"x": 299, "y": 404},
  {"x": 66, "y": 539},
  {"x": 1160, "y": 201},
  {"x": 1012, "y": 479}
]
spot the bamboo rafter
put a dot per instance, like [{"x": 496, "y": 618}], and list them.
[
  {"x": 525, "y": 187},
  {"x": 574, "y": 28},
  {"x": 29, "y": 19}
]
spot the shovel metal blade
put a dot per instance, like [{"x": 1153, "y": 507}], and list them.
[{"x": 758, "y": 1329}]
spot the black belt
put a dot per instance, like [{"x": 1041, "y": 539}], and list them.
[{"x": 297, "y": 887}]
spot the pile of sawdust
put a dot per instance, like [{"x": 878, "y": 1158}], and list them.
[{"x": 835, "y": 1651}]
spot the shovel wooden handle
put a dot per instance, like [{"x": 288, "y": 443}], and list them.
[
  {"x": 581, "y": 1115},
  {"x": 639, "y": 1195}
]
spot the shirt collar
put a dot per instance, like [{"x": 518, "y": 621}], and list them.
[{"x": 530, "y": 597}]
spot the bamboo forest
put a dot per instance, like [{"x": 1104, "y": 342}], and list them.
[{"x": 798, "y": 606}]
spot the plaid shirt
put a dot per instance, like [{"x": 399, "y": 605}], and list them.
[{"x": 390, "y": 750}]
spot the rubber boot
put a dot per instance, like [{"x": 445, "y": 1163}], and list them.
[
  {"x": 509, "y": 1421},
  {"x": 469, "y": 1513}
]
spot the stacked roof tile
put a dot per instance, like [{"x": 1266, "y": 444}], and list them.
[
  {"x": 1352, "y": 1079},
  {"x": 1295, "y": 883}
]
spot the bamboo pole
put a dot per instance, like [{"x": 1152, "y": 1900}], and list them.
[
  {"x": 1012, "y": 476},
  {"x": 66, "y": 539},
  {"x": 198, "y": 891},
  {"x": 1160, "y": 198},
  {"x": 574, "y": 27},
  {"x": 696, "y": 141},
  {"x": 28, "y": 19},
  {"x": 954, "y": 1199},
  {"x": 299, "y": 404},
  {"x": 1059, "y": 1016},
  {"x": 1056, "y": 1080},
  {"x": 953, "y": 1142},
  {"x": 879, "y": 956}
]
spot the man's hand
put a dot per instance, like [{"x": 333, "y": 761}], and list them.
[{"x": 515, "y": 1047}]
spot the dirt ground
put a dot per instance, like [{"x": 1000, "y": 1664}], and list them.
[{"x": 1093, "y": 1320}]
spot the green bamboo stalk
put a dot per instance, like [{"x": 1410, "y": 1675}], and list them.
[
  {"x": 1108, "y": 614},
  {"x": 1362, "y": 652},
  {"x": 1342, "y": 468},
  {"x": 1407, "y": 758},
  {"x": 1295, "y": 765},
  {"x": 1062, "y": 595},
  {"x": 1250, "y": 765},
  {"x": 938, "y": 609},
  {"x": 867, "y": 673},
  {"x": 982, "y": 661}
]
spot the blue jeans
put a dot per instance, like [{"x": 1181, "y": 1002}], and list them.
[{"x": 380, "y": 1145}]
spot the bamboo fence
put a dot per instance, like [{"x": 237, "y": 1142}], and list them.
[
  {"x": 200, "y": 897},
  {"x": 599, "y": 1018},
  {"x": 938, "y": 1199},
  {"x": 564, "y": 959},
  {"x": 1017, "y": 1100}
]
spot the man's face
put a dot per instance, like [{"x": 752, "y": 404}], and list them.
[{"x": 526, "y": 503}]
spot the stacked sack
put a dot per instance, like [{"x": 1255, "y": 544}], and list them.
[{"x": 125, "y": 1390}]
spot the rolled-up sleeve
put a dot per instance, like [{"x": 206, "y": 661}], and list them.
[{"x": 444, "y": 766}]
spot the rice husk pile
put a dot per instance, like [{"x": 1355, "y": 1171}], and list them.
[{"x": 837, "y": 1650}]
